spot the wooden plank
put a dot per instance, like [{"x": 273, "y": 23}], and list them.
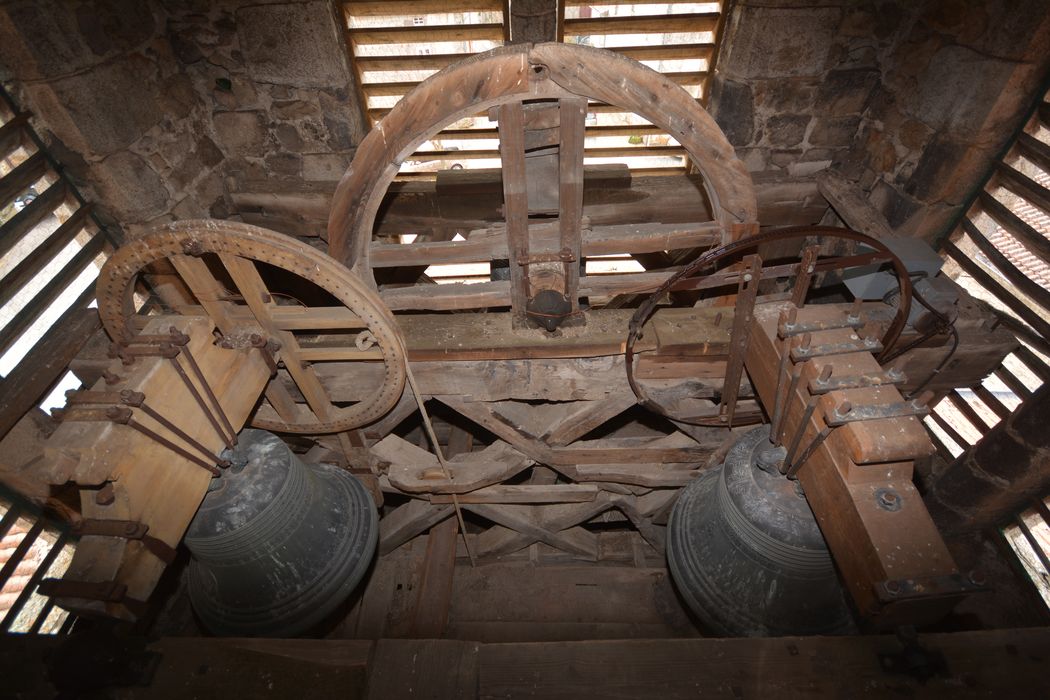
[
  {"x": 949, "y": 430},
  {"x": 1035, "y": 242},
  {"x": 979, "y": 423},
  {"x": 407, "y": 63},
  {"x": 1002, "y": 663},
  {"x": 573, "y": 114},
  {"x": 666, "y": 52},
  {"x": 58, "y": 284},
  {"x": 407, "y": 521},
  {"x": 691, "y": 22},
  {"x": 1033, "y": 362},
  {"x": 515, "y": 203},
  {"x": 1019, "y": 388},
  {"x": 1023, "y": 282},
  {"x": 431, "y": 668},
  {"x": 1034, "y": 150},
  {"x": 502, "y": 493},
  {"x": 23, "y": 222},
  {"x": 11, "y": 134},
  {"x": 585, "y": 417},
  {"x": 850, "y": 203},
  {"x": 529, "y": 521},
  {"x": 19, "y": 179},
  {"x": 427, "y": 34},
  {"x": 992, "y": 401},
  {"x": 417, "y": 206},
  {"x": 1023, "y": 311},
  {"x": 1023, "y": 186},
  {"x": 397, "y": 8},
  {"x": 27, "y": 384},
  {"x": 39, "y": 257},
  {"x": 435, "y": 581},
  {"x": 491, "y": 244}
]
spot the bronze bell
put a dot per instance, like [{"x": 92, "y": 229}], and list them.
[
  {"x": 747, "y": 555},
  {"x": 277, "y": 545}
]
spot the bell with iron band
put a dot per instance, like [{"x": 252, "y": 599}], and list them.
[
  {"x": 277, "y": 545},
  {"x": 746, "y": 554}
]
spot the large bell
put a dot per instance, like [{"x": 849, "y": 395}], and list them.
[
  {"x": 747, "y": 555},
  {"x": 277, "y": 545}
]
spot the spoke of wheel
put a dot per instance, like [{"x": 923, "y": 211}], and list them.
[
  {"x": 209, "y": 293},
  {"x": 255, "y": 294},
  {"x": 515, "y": 202},
  {"x": 572, "y": 116}
]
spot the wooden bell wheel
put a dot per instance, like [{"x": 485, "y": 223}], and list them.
[
  {"x": 240, "y": 275},
  {"x": 539, "y": 95}
]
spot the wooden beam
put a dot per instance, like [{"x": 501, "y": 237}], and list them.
[
  {"x": 26, "y": 385},
  {"x": 1004, "y": 266},
  {"x": 491, "y": 244},
  {"x": 690, "y": 23},
  {"x": 1034, "y": 150},
  {"x": 19, "y": 179},
  {"x": 1023, "y": 186},
  {"x": 434, "y": 593},
  {"x": 427, "y": 34},
  {"x": 515, "y": 203},
  {"x": 397, "y": 8},
  {"x": 1023, "y": 311},
  {"x": 23, "y": 222},
  {"x": 29, "y": 266},
  {"x": 1034, "y": 241},
  {"x": 501, "y": 493},
  {"x": 851, "y": 204},
  {"x": 573, "y": 114}
]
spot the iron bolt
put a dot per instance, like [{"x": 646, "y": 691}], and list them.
[{"x": 892, "y": 587}]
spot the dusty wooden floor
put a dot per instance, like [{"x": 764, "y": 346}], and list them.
[{"x": 536, "y": 595}]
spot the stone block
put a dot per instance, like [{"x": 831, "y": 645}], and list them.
[
  {"x": 765, "y": 41},
  {"x": 52, "y": 38},
  {"x": 295, "y": 109},
  {"x": 285, "y": 165},
  {"x": 130, "y": 188},
  {"x": 845, "y": 91},
  {"x": 732, "y": 107},
  {"x": 786, "y": 130},
  {"x": 795, "y": 95},
  {"x": 293, "y": 44},
  {"x": 104, "y": 109},
  {"x": 288, "y": 137},
  {"x": 945, "y": 91},
  {"x": 325, "y": 167},
  {"x": 242, "y": 133},
  {"x": 834, "y": 132}
]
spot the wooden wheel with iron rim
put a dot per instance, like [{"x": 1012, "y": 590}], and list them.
[
  {"x": 511, "y": 81},
  {"x": 239, "y": 274}
]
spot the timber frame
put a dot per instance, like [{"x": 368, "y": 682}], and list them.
[{"x": 537, "y": 432}]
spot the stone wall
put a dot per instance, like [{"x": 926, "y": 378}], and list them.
[
  {"x": 157, "y": 108},
  {"x": 910, "y": 100}
]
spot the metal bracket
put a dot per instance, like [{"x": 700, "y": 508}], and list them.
[
  {"x": 105, "y": 591},
  {"x": 822, "y": 384},
  {"x": 804, "y": 352},
  {"x": 126, "y": 529},
  {"x": 847, "y": 413}
]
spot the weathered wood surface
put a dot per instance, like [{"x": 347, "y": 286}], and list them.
[
  {"x": 152, "y": 485},
  {"x": 870, "y": 544},
  {"x": 27, "y": 385},
  {"x": 979, "y": 664},
  {"x": 538, "y": 71},
  {"x": 464, "y": 205}
]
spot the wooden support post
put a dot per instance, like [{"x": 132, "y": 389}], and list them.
[{"x": 515, "y": 203}]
